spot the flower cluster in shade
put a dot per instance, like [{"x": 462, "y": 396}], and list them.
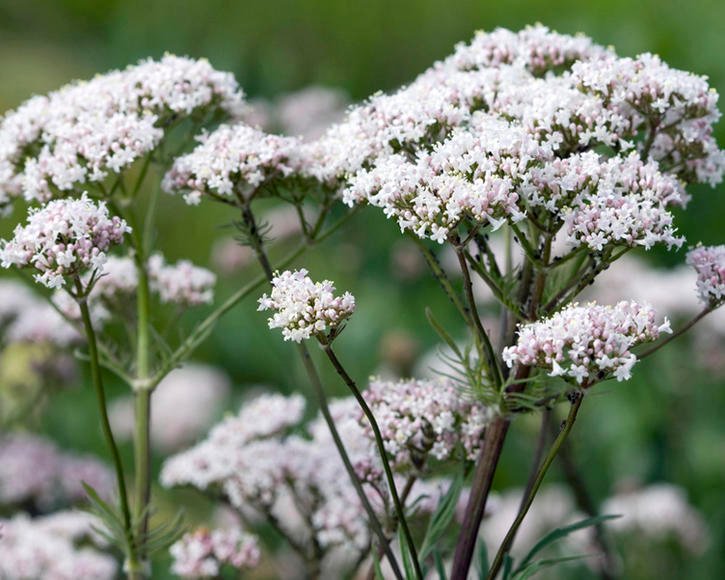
[
  {"x": 422, "y": 420},
  {"x": 586, "y": 343},
  {"x": 64, "y": 238},
  {"x": 709, "y": 264},
  {"x": 659, "y": 512},
  {"x": 35, "y": 473},
  {"x": 203, "y": 553},
  {"x": 232, "y": 163},
  {"x": 270, "y": 467},
  {"x": 87, "y": 130},
  {"x": 530, "y": 123},
  {"x": 181, "y": 283},
  {"x": 265, "y": 472},
  {"x": 60, "y": 546},
  {"x": 303, "y": 308},
  {"x": 186, "y": 403}
]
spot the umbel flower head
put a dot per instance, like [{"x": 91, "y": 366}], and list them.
[
  {"x": 86, "y": 130},
  {"x": 709, "y": 263},
  {"x": 534, "y": 124},
  {"x": 66, "y": 237},
  {"x": 231, "y": 163},
  {"x": 304, "y": 308},
  {"x": 586, "y": 343},
  {"x": 203, "y": 553}
]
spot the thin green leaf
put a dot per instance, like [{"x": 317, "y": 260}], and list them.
[
  {"x": 442, "y": 517},
  {"x": 539, "y": 565},
  {"x": 440, "y": 568},
  {"x": 405, "y": 552},
  {"x": 482, "y": 562},
  {"x": 442, "y": 333},
  {"x": 508, "y": 564},
  {"x": 378, "y": 569},
  {"x": 562, "y": 532}
]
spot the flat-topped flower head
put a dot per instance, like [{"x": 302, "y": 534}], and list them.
[
  {"x": 422, "y": 420},
  {"x": 62, "y": 239},
  {"x": 231, "y": 163},
  {"x": 586, "y": 343},
  {"x": 303, "y": 308},
  {"x": 85, "y": 131},
  {"x": 203, "y": 553},
  {"x": 709, "y": 263}
]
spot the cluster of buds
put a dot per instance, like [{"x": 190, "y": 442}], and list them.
[
  {"x": 709, "y": 263},
  {"x": 204, "y": 553}
]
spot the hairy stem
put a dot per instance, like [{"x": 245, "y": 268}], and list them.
[{"x": 577, "y": 398}]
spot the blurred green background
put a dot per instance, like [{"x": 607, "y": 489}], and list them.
[{"x": 665, "y": 424}]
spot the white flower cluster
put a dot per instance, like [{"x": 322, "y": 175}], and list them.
[
  {"x": 232, "y": 163},
  {"x": 587, "y": 342},
  {"x": 659, "y": 512},
  {"x": 617, "y": 201},
  {"x": 66, "y": 237},
  {"x": 303, "y": 307},
  {"x": 25, "y": 317},
  {"x": 186, "y": 403},
  {"x": 709, "y": 263},
  {"x": 678, "y": 105},
  {"x": 50, "y": 547},
  {"x": 530, "y": 122},
  {"x": 34, "y": 472},
  {"x": 266, "y": 473},
  {"x": 203, "y": 553},
  {"x": 182, "y": 283},
  {"x": 86, "y": 130},
  {"x": 420, "y": 420}
]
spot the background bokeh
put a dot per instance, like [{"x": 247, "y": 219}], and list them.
[{"x": 664, "y": 425}]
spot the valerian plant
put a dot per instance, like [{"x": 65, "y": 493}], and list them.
[{"x": 567, "y": 153}]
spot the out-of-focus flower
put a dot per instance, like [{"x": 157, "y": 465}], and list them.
[
  {"x": 658, "y": 512},
  {"x": 587, "y": 342},
  {"x": 186, "y": 403},
  {"x": 307, "y": 113},
  {"x": 709, "y": 263},
  {"x": 203, "y": 553},
  {"x": 303, "y": 307},
  {"x": 33, "y": 472},
  {"x": 49, "y": 547},
  {"x": 65, "y": 237},
  {"x": 182, "y": 283}
]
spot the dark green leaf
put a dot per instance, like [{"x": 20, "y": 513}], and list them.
[
  {"x": 562, "y": 532},
  {"x": 442, "y": 517}
]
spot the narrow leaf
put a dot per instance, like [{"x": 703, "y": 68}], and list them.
[{"x": 442, "y": 517}]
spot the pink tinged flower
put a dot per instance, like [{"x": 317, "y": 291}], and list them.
[
  {"x": 303, "y": 308},
  {"x": 587, "y": 343},
  {"x": 709, "y": 264},
  {"x": 85, "y": 131},
  {"x": 233, "y": 162},
  {"x": 64, "y": 238},
  {"x": 182, "y": 283},
  {"x": 204, "y": 552}
]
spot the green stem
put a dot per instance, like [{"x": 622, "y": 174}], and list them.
[
  {"x": 142, "y": 418},
  {"x": 399, "y": 511},
  {"x": 263, "y": 259},
  {"x": 97, "y": 380},
  {"x": 577, "y": 398}
]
